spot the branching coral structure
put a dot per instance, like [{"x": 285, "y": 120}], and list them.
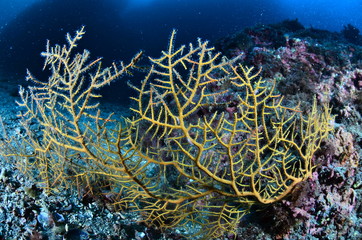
[
  {"x": 69, "y": 145},
  {"x": 209, "y": 138}
]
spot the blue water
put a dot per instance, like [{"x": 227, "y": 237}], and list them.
[{"x": 117, "y": 29}]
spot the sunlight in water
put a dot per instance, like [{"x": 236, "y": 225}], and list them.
[{"x": 138, "y": 3}]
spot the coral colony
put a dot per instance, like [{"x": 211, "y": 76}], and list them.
[{"x": 213, "y": 139}]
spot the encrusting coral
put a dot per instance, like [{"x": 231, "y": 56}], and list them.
[{"x": 209, "y": 138}]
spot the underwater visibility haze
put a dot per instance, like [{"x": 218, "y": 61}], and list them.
[{"x": 117, "y": 29}]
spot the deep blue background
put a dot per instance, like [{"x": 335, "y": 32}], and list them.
[{"x": 117, "y": 29}]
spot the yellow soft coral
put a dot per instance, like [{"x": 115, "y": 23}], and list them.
[
  {"x": 209, "y": 137},
  {"x": 211, "y": 162}
]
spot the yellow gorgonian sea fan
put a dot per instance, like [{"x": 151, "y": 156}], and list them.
[
  {"x": 217, "y": 140},
  {"x": 208, "y": 139}
]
